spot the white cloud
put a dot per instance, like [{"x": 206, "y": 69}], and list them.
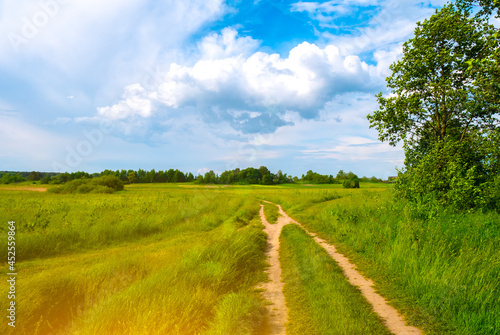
[
  {"x": 95, "y": 46},
  {"x": 230, "y": 77},
  {"x": 136, "y": 101},
  {"x": 227, "y": 44}
]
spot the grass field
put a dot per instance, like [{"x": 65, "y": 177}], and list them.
[
  {"x": 185, "y": 259},
  {"x": 150, "y": 260},
  {"x": 320, "y": 300},
  {"x": 442, "y": 269}
]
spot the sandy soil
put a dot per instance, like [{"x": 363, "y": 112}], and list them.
[
  {"x": 34, "y": 189},
  {"x": 273, "y": 289},
  {"x": 392, "y": 319}
]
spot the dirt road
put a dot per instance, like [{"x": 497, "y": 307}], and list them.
[{"x": 273, "y": 290}]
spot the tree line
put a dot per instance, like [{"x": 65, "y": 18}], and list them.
[{"x": 248, "y": 176}]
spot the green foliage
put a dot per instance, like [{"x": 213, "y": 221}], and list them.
[
  {"x": 351, "y": 183},
  {"x": 435, "y": 93},
  {"x": 439, "y": 267},
  {"x": 34, "y": 176},
  {"x": 316, "y": 178},
  {"x": 248, "y": 176},
  {"x": 448, "y": 174},
  {"x": 107, "y": 184},
  {"x": 444, "y": 106},
  {"x": 319, "y": 298},
  {"x": 9, "y": 178}
]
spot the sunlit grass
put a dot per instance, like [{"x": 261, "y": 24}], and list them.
[
  {"x": 185, "y": 259},
  {"x": 117, "y": 275},
  {"x": 319, "y": 299},
  {"x": 271, "y": 212},
  {"x": 440, "y": 268}
]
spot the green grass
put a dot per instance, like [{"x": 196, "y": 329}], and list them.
[
  {"x": 271, "y": 212},
  {"x": 440, "y": 268},
  {"x": 184, "y": 259},
  {"x": 319, "y": 299},
  {"x": 150, "y": 260}
]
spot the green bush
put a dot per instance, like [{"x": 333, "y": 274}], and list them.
[
  {"x": 106, "y": 184},
  {"x": 351, "y": 183},
  {"x": 111, "y": 182},
  {"x": 451, "y": 174}
]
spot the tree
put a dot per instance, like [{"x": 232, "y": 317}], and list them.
[
  {"x": 434, "y": 92},
  {"x": 341, "y": 175},
  {"x": 444, "y": 105},
  {"x": 264, "y": 171},
  {"x": 132, "y": 177},
  {"x": 34, "y": 175},
  {"x": 488, "y": 7}
]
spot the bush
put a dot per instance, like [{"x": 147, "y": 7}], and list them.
[
  {"x": 351, "y": 183},
  {"x": 111, "y": 182},
  {"x": 106, "y": 184},
  {"x": 451, "y": 174}
]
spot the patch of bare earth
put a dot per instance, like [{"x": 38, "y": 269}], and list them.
[
  {"x": 33, "y": 189},
  {"x": 273, "y": 289},
  {"x": 392, "y": 319}
]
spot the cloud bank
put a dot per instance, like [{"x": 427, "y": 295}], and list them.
[{"x": 233, "y": 81}]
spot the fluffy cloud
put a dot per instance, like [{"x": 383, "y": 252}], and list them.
[
  {"x": 136, "y": 101},
  {"x": 231, "y": 80}
]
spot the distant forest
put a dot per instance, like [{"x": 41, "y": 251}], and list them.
[{"x": 248, "y": 176}]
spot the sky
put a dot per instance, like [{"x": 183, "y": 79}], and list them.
[{"x": 198, "y": 85}]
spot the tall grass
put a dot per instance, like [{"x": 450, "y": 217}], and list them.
[
  {"x": 147, "y": 261},
  {"x": 319, "y": 298},
  {"x": 158, "y": 259},
  {"x": 441, "y": 268},
  {"x": 271, "y": 212}
]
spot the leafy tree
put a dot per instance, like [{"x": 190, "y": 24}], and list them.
[
  {"x": 123, "y": 175},
  {"x": 267, "y": 179},
  {"x": 132, "y": 177},
  {"x": 33, "y": 176},
  {"x": 435, "y": 94},
  {"x": 8, "y": 178},
  {"x": 341, "y": 175},
  {"x": 444, "y": 105},
  {"x": 264, "y": 171},
  {"x": 488, "y": 7},
  {"x": 351, "y": 183}
]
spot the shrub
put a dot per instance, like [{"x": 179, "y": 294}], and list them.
[
  {"x": 351, "y": 183},
  {"x": 451, "y": 174},
  {"x": 106, "y": 184},
  {"x": 111, "y": 182}
]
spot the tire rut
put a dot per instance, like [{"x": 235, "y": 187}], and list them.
[{"x": 273, "y": 290}]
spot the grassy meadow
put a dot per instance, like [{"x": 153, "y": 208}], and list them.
[
  {"x": 148, "y": 260},
  {"x": 186, "y": 259},
  {"x": 440, "y": 268}
]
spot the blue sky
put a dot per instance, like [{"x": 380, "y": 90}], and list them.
[{"x": 198, "y": 84}]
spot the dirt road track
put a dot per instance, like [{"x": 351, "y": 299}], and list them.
[{"x": 273, "y": 290}]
